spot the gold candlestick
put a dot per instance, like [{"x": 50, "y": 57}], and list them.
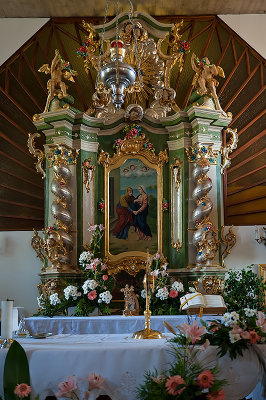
[{"x": 147, "y": 332}]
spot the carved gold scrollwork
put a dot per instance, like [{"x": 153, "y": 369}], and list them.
[
  {"x": 37, "y": 153},
  {"x": 175, "y": 57},
  {"x": 176, "y": 172},
  {"x": 132, "y": 265},
  {"x": 88, "y": 171},
  {"x": 134, "y": 146},
  {"x": 176, "y": 204},
  {"x": 229, "y": 240},
  {"x": 50, "y": 247},
  {"x": 208, "y": 285},
  {"x": 228, "y": 148},
  {"x": 177, "y": 245}
]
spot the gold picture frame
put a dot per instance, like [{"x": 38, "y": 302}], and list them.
[
  {"x": 137, "y": 149},
  {"x": 262, "y": 274}
]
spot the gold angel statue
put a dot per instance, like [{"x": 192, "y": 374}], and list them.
[
  {"x": 59, "y": 69},
  {"x": 204, "y": 80}
]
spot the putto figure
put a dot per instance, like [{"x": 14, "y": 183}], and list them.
[
  {"x": 56, "y": 86},
  {"x": 204, "y": 80},
  {"x": 102, "y": 105},
  {"x": 164, "y": 103}
]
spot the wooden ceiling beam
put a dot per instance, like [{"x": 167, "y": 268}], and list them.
[
  {"x": 72, "y": 37},
  {"x": 201, "y": 31},
  {"x": 229, "y": 182},
  {"x": 234, "y": 50},
  {"x": 248, "y": 63},
  {"x": 262, "y": 182},
  {"x": 225, "y": 50},
  {"x": 252, "y": 122},
  {"x": 247, "y": 213},
  {"x": 32, "y": 170},
  {"x": 247, "y": 105},
  {"x": 7, "y": 79},
  {"x": 242, "y": 86},
  {"x": 219, "y": 37},
  {"x": 232, "y": 72},
  {"x": 25, "y": 205},
  {"x": 21, "y": 217},
  {"x": 21, "y": 191},
  {"x": 5, "y": 172},
  {"x": 261, "y": 76},
  {"x": 14, "y": 144},
  {"x": 242, "y": 201},
  {"x": 246, "y": 161},
  {"x": 35, "y": 74},
  {"x": 18, "y": 127},
  {"x": 207, "y": 43},
  {"x": 29, "y": 94},
  {"x": 16, "y": 104},
  {"x": 34, "y": 55},
  {"x": 248, "y": 144}
]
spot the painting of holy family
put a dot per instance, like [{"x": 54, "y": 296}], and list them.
[{"x": 133, "y": 208}]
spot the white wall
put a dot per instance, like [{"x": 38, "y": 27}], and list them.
[
  {"x": 19, "y": 270},
  {"x": 246, "y": 250}
]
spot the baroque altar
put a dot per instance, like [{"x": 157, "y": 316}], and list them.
[{"x": 150, "y": 172}]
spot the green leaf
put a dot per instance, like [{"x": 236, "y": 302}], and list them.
[{"x": 16, "y": 370}]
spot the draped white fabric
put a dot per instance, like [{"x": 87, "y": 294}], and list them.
[
  {"x": 121, "y": 361},
  {"x": 102, "y": 324}
]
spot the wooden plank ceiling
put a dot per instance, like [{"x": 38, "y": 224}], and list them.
[{"x": 23, "y": 93}]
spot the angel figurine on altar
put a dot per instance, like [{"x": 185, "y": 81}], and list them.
[
  {"x": 56, "y": 86},
  {"x": 204, "y": 80}
]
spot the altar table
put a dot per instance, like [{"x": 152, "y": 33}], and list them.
[
  {"x": 103, "y": 324},
  {"x": 121, "y": 361}
]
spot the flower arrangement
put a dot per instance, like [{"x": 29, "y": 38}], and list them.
[
  {"x": 236, "y": 331},
  {"x": 186, "y": 378},
  {"x": 69, "y": 388},
  {"x": 244, "y": 289},
  {"x": 93, "y": 292},
  {"x": 165, "y": 298},
  {"x": 131, "y": 132}
]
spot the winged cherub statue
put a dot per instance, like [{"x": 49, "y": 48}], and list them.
[
  {"x": 204, "y": 80},
  {"x": 56, "y": 86}
]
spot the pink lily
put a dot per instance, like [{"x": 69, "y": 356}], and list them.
[
  {"x": 194, "y": 332},
  {"x": 261, "y": 322}
]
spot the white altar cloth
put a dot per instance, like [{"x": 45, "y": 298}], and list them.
[
  {"x": 103, "y": 324},
  {"x": 121, "y": 361}
]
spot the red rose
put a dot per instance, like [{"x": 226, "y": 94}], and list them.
[{"x": 82, "y": 49}]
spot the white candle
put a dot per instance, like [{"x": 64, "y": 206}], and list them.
[{"x": 6, "y": 319}]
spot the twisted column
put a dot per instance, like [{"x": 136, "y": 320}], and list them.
[
  {"x": 61, "y": 206},
  {"x": 205, "y": 237}
]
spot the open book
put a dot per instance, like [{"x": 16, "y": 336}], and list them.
[{"x": 197, "y": 303}]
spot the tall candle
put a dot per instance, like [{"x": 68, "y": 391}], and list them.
[{"x": 6, "y": 319}]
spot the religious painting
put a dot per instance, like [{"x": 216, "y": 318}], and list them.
[
  {"x": 133, "y": 208},
  {"x": 133, "y": 181}
]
